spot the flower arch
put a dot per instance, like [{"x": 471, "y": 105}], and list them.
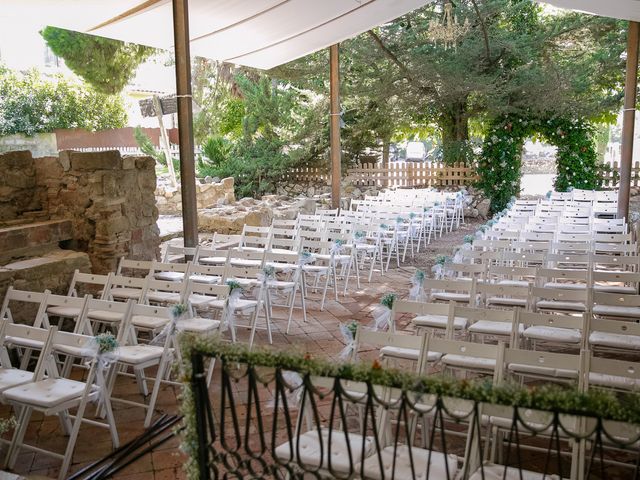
[{"x": 500, "y": 163}]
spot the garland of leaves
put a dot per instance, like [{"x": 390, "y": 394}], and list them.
[
  {"x": 500, "y": 162},
  {"x": 567, "y": 400}
]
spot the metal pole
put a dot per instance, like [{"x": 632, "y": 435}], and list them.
[
  {"x": 334, "y": 132},
  {"x": 185, "y": 122},
  {"x": 628, "y": 119}
]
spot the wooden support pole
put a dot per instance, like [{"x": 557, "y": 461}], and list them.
[
  {"x": 185, "y": 122},
  {"x": 164, "y": 140},
  {"x": 334, "y": 132},
  {"x": 628, "y": 119}
]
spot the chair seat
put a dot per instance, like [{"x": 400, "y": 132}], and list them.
[
  {"x": 498, "y": 472},
  {"x": 280, "y": 250},
  {"x": 448, "y": 296},
  {"x": 472, "y": 363},
  {"x": 613, "y": 381},
  {"x": 209, "y": 279},
  {"x": 315, "y": 268},
  {"x": 615, "y": 340},
  {"x": 148, "y": 322},
  {"x": 67, "y": 312},
  {"x": 439, "y": 321},
  {"x": 198, "y": 325},
  {"x": 46, "y": 393},
  {"x": 407, "y": 354},
  {"x": 616, "y": 311},
  {"x": 553, "y": 334},
  {"x": 310, "y": 443},
  {"x": 241, "y": 304},
  {"x": 169, "y": 276},
  {"x": 327, "y": 257},
  {"x": 281, "y": 285},
  {"x": 522, "y": 369},
  {"x": 510, "y": 301},
  {"x": 560, "y": 305},
  {"x": 245, "y": 262},
  {"x": 566, "y": 286},
  {"x": 23, "y": 342},
  {"x": 196, "y": 299},
  {"x": 437, "y": 463},
  {"x": 12, "y": 377},
  {"x": 105, "y": 316},
  {"x": 164, "y": 297},
  {"x": 136, "y": 354},
  {"x": 488, "y": 327},
  {"x": 513, "y": 283},
  {"x": 125, "y": 293},
  {"x": 212, "y": 260}
]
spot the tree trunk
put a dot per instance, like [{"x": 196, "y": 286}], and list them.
[
  {"x": 385, "y": 156},
  {"x": 454, "y": 127}
]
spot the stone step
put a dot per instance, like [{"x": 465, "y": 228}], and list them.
[{"x": 33, "y": 238}]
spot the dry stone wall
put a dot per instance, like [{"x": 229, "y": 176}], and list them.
[
  {"x": 208, "y": 194},
  {"x": 110, "y": 201}
]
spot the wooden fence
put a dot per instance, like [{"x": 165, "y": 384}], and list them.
[
  {"x": 409, "y": 174},
  {"x": 413, "y": 174},
  {"x": 612, "y": 178}
]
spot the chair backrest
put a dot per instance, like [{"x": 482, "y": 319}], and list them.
[
  {"x": 207, "y": 271},
  {"x": 488, "y": 290},
  {"x": 122, "y": 309},
  {"x": 137, "y": 268},
  {"x": 126, "y": 332},
  {"x": 255, "y": 236},
  {"x": 224, "y": 242},
  {"x": 34, "y": 304},
  {"x": 524, "y": 319},
  {"x": 71, "y": 302},
  {"x": 210, "y": 256},
  {"x": 464, "y": 286},
  {"x": 619, "y": 262},
  {"x": 499, "y": 273},
  {"x": 88, "y": 283},
  {"x": 379, "y": 340},
  {"x": 523, "y": 259},
  {"x": 550, "y": 366},
  {"x": 617, "y": 374},
  {"x": 163, "y": 286},
  {"x": 626, "y": 278},
  {"x": 169, "y": 267},
  {"x": 27, "y": 335},
  {"x": 565, "y": 274},
  {"x": 133, "y": 283},
  {"x": 615, "y": 300},
  {"x": 178, "y": 253},
  {"x": 558, "y": 295},
  {"x": 469, "y": 349}
]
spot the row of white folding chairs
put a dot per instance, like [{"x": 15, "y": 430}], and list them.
[{"x": 453, "y": 355}]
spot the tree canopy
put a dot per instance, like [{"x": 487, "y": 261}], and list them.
[
  {"x": 108, "y": 65},
  {"x": 30, "y": 104}
]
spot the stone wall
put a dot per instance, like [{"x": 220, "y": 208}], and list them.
[
  {"x": 208, "y": 194},
  {"x": 110, "y": 201},
  {"x": 19, "y": 193}
]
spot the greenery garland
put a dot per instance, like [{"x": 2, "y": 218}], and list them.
[
  {"x": 596, "y": 403},
  {"x": 500, "y": 162}
]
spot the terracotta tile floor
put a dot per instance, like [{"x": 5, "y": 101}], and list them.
[{"x": 319, "y": 336}]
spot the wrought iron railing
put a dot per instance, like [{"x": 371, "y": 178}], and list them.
[{"x": 285, "y": 415}]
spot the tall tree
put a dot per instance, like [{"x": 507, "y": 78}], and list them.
[{"x": 109, "y": 65}]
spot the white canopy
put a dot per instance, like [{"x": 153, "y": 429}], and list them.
[
  {"x": 255, "y": 33},
  {"x": 621, "y": 9}
]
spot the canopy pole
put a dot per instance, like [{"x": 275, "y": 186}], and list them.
[
  {"x": 334, "y": 132},
  {"x": 185, "y": 122},
  {"x": 628, "y": 120}
]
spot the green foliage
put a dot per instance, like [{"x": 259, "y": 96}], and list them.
[
  {"x": 31, "y": 104},
  {"x": 148, "y": 148},
  {"x": 108, "y": 65},
  {"x": 216, "y": 150},
  {"x": 576, "y": 159}
]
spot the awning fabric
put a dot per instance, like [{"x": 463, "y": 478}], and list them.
[
  {"x": 255, "y": 33},
  {"x": 621, "y": 9}
]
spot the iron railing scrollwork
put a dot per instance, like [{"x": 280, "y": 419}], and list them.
[{"x": 263, "y": 421}]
